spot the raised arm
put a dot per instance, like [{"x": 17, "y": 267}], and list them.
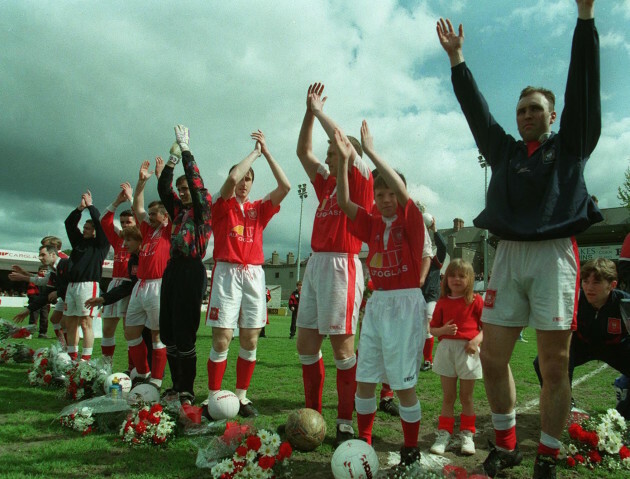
[
  {"x": 284, "y": 186},
  {"x": 345, "y": 152},
  {"x": 309, "y": 161},
  {"x": 138, "y": 195},
  {"x": 101, "y": 237},
  {"x": 239, "y": 172},
  {"x": 451, "y": 42},
  {"x": 107, "y": 220},
  {"x": 393, "y": 179},
  {"x": 586, "y": 9},
  {"x": 72, "y": 223},
  {"x": 165, "y": 183}
]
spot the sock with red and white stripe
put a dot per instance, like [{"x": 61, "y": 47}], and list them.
[
  {"x": 73, "y": 352},
  {"x": 505, "y": 430},
  {"x": 158, "y": 363},
  {"x": 217, "y": 362},
  {"x": 108, "y": 346},
  {"x": 86, "y": 354},
  {"x": 410, "y": 420},
  {"x": 366, "y": 410},
  {"x": 245, "y": 365},
  {"x": 313, "y": 374},
  {"x": 138, "y": 351},
  {"x": 346, "y": 386}
]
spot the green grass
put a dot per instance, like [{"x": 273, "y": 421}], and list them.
[{"x": 32, "y": 444}]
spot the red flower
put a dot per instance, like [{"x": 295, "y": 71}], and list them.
[
  {"x": 234, "y": 432},
  {"x": 155, "y": 408},
  {"x": 128, "y": 425},
  {"x": 285, "y": 451},
  {"x": 253, "y": 443},
  {"x": 579, "y": 458},
  {"x": 143, "y": 414},
  {"x": 158, "y": 440},
  {"x": 575, "y": 430},
  {"x": 153, "y": 419},
  {"x": 266, "y": 462},
  {"x": 141, "y": 428},
  {"x": 47, "y": 378},
  {"x": 624, "y": 452},
  {"x": 570, "y": 461},
  {"x": 594, "y": 456},
  {"x": 592, "y": 439},
  {"x": 241, "y": 451},
  {"x": 43, "y": 362},
  {"x": 87, "y": 431}
]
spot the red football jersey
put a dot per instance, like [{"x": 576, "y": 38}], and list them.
[
  {"x": 154, "y": 251},
  {"x": 395, "y": 246},
  {"x": 238, "y": 229},
  {"x": 330, "y": 229},
  {"x": 121, "y": 253},
  {"x": 467, "y": 317}
]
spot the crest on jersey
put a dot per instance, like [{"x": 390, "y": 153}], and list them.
[
  {"x": 614, "y": 326},
  {"x": 397, "y": 235},
  {"x": 252, "y": 214},
  {"x": 213, "y": 314},
  {"x": 548, "y": 156},
  {"x": 491, "y": 295}
]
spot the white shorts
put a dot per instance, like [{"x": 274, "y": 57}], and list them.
[
  {"x": 452, "y": 360},
  {"x": 332, "y": 290},
  {"x": 392, "y": 335},
  {"x": 60, "y": 305},
  {"x": 534, "y": 283},
  {"x": 76, "y": 296},
  {"x": 144, "y": 304},
  {"x": 119, "y": 308},
  {"x": 238, "y": 297}
]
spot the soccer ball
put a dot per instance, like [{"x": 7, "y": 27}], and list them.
[
  {"x": 123, "y": 380},
  {"x": 146, "y": 393},
  {"x": 305, "y": 429},
  {"x": 223, "y": 405},
  {"x": 354, "y": 459}
]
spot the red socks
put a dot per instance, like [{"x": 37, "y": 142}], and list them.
[
  {"x": 313, "y": 378},
  {"x": 427, "y": 351},
  {"x": 244, "y": 372},
  {"x": 346, "y": 389}
]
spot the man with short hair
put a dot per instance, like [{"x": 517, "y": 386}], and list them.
[
  {"x": 112, "y": 313},
  {"x": 184, "y": 280},
  {"x": 89, "y": 251},
  {"x": 144, "y": 305},
  {"x": 294, "y": 304},
  {"x": 537, "y": 203},
  {"x": 333, "y": 281}
]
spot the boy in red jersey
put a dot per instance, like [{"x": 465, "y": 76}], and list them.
[
  {"x": 238, "y": 280},
  {"x": 391, "y": 335},
  {"x": 112, "y": 313},
  {"x": 332, "y": 286},
  {"x": 144, "y": 305}
]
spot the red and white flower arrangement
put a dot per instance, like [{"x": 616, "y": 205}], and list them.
[
  {"x": 11, "y": 330},
  {"x": 258, "y": 455},
  {"x": 149, "y": 425},
  {"x": 600, "y": 442},
  {"x": 80, "y": 420},
  {"x": 15, "y": 353},
  {"x": 40, "y": 374},
  {"x": 84, "y": 380}
]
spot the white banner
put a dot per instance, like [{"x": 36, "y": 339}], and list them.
[{"x": 604, "y": 251}]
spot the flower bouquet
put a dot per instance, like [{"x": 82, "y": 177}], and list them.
[
  {"x": 148, "y": 425},
  {"x": 12, "y": 330},
  {"x": 85, "y": 379},
  {"x": 15, "y": 353},
  {"x": 600, "y": 442},
  {"x": 40, "y": 374},
  {"x": 257, "y": 455},
  {"x": 80, "y": 420}
]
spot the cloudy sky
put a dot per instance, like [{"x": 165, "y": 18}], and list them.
[{"x": 90, "y": 89}]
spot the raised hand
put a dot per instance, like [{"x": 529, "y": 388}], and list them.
[
  {"x": 159, "y": 166},
  {"x": 183, "y": 137},
  {"x": 367, "y": 140},
  {"x": 451, "y": 42},
  {"x": 176, "y": 150},
  {"x": 343, "y": 144},
  {"x": 145, "y": 174},
  {"x": 127, "y": 191},
  {"x": 82, "y": 204},
  {"x": 120, "y": 198},
  {"x": 87, "y": 197},
  {"x": 261, "y": 142},
  {"x": 314, "y": 100}
]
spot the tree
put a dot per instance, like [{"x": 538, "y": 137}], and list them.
[{"x": 623, "y": 192}]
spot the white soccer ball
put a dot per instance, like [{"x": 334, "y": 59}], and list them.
[
  {"x": 144, "y": 392},
  {"x": 123, "y": 380},
  {"x": 428, "y": 219},
  {"x": 223, "y": 405},
  {"x": 354, "y": 459}
]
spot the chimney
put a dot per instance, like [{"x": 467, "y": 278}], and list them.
[
  {"x": 290, "y": 259},
  {"x": 458, "y": 224},
  {"x": 275, "y": 258}
]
